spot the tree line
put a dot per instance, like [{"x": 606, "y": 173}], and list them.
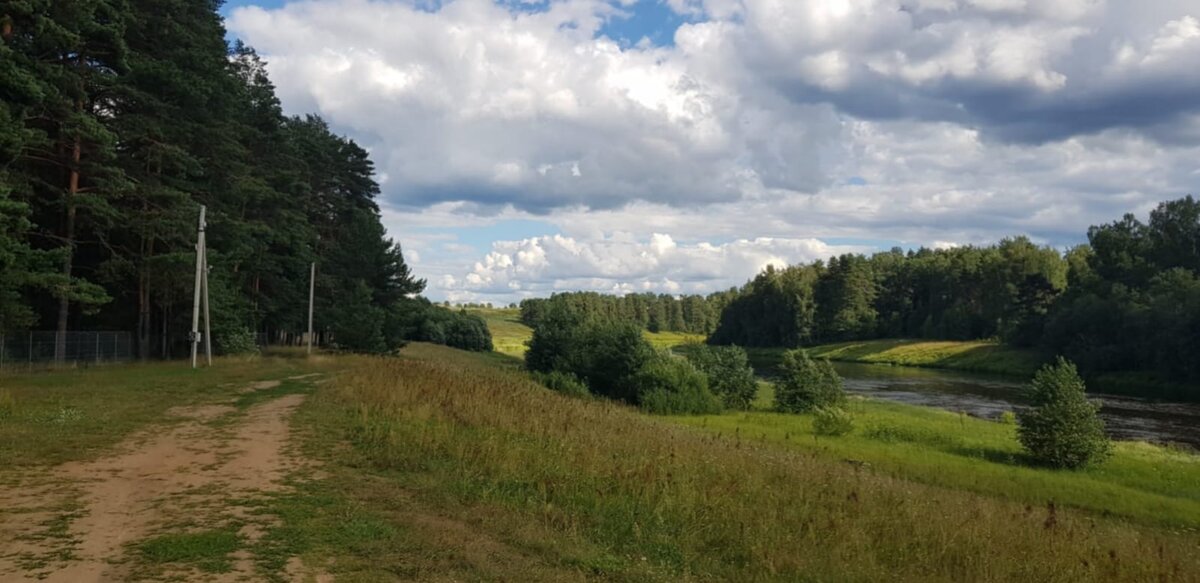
[
  {"x": 1128, "y": 300},
  {"x": 961, "y": 293},
  {"x": 693, "y": 314},
  {"x": 118, "y": 119}
]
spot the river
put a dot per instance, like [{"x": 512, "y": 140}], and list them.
[{"x": 988, "y": 396}]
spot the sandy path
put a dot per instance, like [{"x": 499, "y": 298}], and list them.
[{"x": 171, "y": 479}]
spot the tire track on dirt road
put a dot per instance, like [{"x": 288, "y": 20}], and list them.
[{"x": 196, "y": 474}]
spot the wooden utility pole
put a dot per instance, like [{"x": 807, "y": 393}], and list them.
[
  {"x": 201, "y": 292},
  {"x": 207, "y": 318}
]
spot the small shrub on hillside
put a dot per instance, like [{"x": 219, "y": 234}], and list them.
[
  {"x": 237, "y": 341},
  {"x": 806, "y": 384},
  {"x": 1062, "y": 429},
  {"x": 468, "y": 332},
  {"x": 605, "y": 356},
  {"x": 1008, "y": 418},
  {"x": 729, "y": 374},
  {"x": 832, "y": 421},
  {"x": 421, "y": 321},
  {"x": 562, "y": 382},
  {"x": 669, "y": 385}
]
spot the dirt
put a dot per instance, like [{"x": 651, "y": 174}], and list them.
[
  {"x": 261, "y": 386},
  {"x": 75, "y": 522}
]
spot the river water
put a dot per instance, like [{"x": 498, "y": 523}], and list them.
[{"x": 988, "y": 396}]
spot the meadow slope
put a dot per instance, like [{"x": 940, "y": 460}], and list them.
[
  {"x": 598, "y": 489},
  {"x": 445, "y": 465}
]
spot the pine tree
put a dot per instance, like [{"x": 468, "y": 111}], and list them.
[
  {"x": 806, "y": 384},
  {"x": 1062, "y": 429},
  {"x": 172, "y": 104},
  {"x": 74, "y": 51}
]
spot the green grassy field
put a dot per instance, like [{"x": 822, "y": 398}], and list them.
[
  {"x": 509, "y": 335},
  {"x": 446, "y": 465},
  {"x": 73, "y": 414},
  {"x": 1144, "y": 483},
  {"x": 563, "y": 489}
]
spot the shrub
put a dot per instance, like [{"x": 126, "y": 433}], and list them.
[
  {"x": 555, "y": 342},
  {"x": 467, "y": 332},
  {"x": 832, "y": 421},
  {"x": 1008, "y": 418},
  {"x": 237, "y": 341},
  {"x": 419, "y": 320},
  {"x": 806, "y": 384},
  {"x": 729, "y": 374},
  {"x": 669, "y": 385},
  {"x": 562, "y": 382},
  {"x": 1062, "y": 429},
  {"x": 605, "y": 356}
]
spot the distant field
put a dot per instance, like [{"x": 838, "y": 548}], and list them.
[
  {"x": 974, "y": 355},
  {"x": 509, "y": 335}
]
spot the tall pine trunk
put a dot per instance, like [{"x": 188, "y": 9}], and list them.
[
  {"x": 165, "y": 350},
  {"x": 64, "y": 302},
  {"x": 144, "y": 323}
]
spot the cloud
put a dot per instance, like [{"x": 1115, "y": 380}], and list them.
[
  {"x": 891, "y": 121},
  {"x": 476, "y": 101},
  {"x": 621, "y": 263}
]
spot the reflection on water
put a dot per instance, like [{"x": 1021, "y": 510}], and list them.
[{"x": 988, "y": 396}]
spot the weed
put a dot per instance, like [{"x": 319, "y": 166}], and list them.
[
  {"x": 832, "y": 421},
  {"x": 207, "y": 550}
]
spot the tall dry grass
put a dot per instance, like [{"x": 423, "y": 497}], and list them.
[{"x": 701, "y": 506}]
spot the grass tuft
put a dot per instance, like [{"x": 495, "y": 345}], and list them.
[{"x": 206, "y": 550}]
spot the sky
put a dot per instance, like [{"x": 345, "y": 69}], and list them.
[{"x": 680, "y": 146}]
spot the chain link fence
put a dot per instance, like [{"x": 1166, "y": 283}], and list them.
[{"x": 40, "y": 349}]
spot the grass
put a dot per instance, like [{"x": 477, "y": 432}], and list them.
[
  {"x": 974, "y": 355},
  {"x": 669, "y": 340},
  {"x": 1141, "y": 483},
  {"x": 482, "y": 474},
  {"x": 207, "y": 550},
  {"x": 449, "y": 465},
  {"x": 509, "y": 334},
  {"x": 53, "y": 417}
]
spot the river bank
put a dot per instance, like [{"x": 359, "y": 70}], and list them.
[{"x": 977, "y": 356}]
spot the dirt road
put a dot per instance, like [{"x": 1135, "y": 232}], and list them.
[{"x": 83, "y": 521}]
